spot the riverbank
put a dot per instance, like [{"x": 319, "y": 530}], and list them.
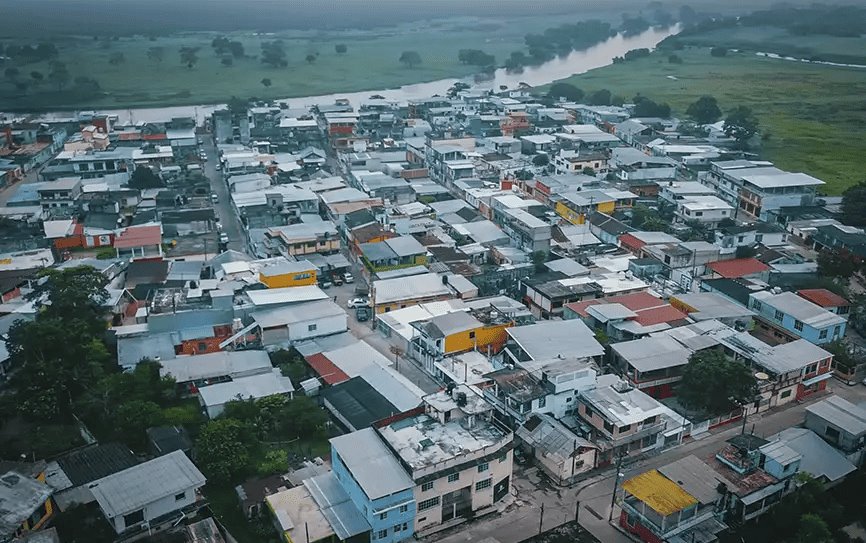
[{"x": 811, "y": 115}]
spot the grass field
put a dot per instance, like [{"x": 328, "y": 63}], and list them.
[
  {"x": 370, "y": 63},
  {"x": 812, "y": 116}
]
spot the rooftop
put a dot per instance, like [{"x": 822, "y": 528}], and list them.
[
  {"x": 840, "y": 412},
  {"x": 373, "y": 466},
  {"x": 252, "y": 386},
  {"x": 708, "y": 305},
  {"x": 552, "y": 339},
  {"x": 86, "y": 465},
  {"x": 653, "y": 353},
  {"x": 799, "y": 308},
  {"x": 136, "y": 487},
  {"x": 618, "y": 402},
  {"x": 659, "y": 493},
  {"x": 738, "y": 267},
  {"x": 20, "y": 497},
  {"x": 818, "y": 458},
  {"x": 823, "y": 297},
  {"x": 219, "y": 364},
  {"x": 407, "y": 288}
]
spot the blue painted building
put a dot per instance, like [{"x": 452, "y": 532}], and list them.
[
  {"x": 788, "y": 313},
  {"x": 376, "y": 483}
]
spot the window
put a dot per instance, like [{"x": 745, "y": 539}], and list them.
[
  {"x": 427, "y": 504},
  {"x": 481, "y": 485},
  {"x": 608, "y": 427},
  {"x": 699, "y": 213},
  {"x": 837, "y": 330},
  {"x": 397, "y": 528},
  {"x": 472, "y": 335},
  {"x": 740, "y": 239},
  {"x": 503, "y": 457},
  {"x": 404, "y": 509},
  {"x": 778, "y": 315},
  {"x": 798, "y": 325},
  {"x": 812, "y": 368},
  {"x": 832, "y": 434},
  {"x": 179, "y": 497},
  {"x": 823, "y": 334},
  {"x": 625, "y": 428},
  {"x": 382, "y": 534},
  {"x": 785, "y": 394},
  {"x": 427, "y": 486},
  {"x": 756, "y": 305},
  {"x": 759, "y": 238},
  {"x": 311, "y": 328},
  {"x": 202, "y": 346},
  {"x": 542, "y": 402},
  {"x": 482, "y": 467},
  {"x": 136, "y": 517},
  {"x": 405, "y": 526},
  {"x": 454, "y": 477},
  {"x": 383, "y": 516}
]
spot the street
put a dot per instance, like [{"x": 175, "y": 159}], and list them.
[
  {"x": 522, "y": 519},
  {"x": 224, "y": 210}
]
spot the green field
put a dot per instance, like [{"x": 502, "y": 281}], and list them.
[
  {"x": 812, "y": 116},
  {"x": 370, "y": 63}
]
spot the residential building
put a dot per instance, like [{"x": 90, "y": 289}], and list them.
[
  {"x": 376, "y": 483},
  {"x": 457, "y": 454},
  {"x": 71, "y": 474},
  {"x": 393, "y": 253},
  {"x": 458, "y": 332},
  {"x": 784, "y": 315},
  {"x": 840, "y": 423},
  {"x": 26, "y": 504},
  {"x": 305, "y": 238},
  {"x": 289, "y": 274},
  {"x": 547, "y": 294},
  {"x": 561, "y": 453},
  {"x": 289, "y": 324},
  {"x": 729, "y": 238},
  {"x": 571, "y": 162},
  {"x": 549, "y": 340},
  {"x": 214, "y": 397},
  {"x": 706, "y": 210},
  {"x": 820, "y": 460},
  {"x": 652, "y": 364},
  {"x": 390, "y": 294},
  {"x": 624, "y": 420},
  {"x": 61, "y": 194},
  {"x": 681, "y": 501},
  {"x": 525, "y": 230},
  {"x": 762, "y": 193},
  {"x": 830, "y": 301},
  {"x": 626, "y": 317},
  {"x": 150, "y": 496}
]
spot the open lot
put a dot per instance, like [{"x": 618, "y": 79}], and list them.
[
  {"x": 812, "y": 116},
  {"x": 371, "y": 62}
]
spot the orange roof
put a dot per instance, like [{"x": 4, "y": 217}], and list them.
[
  {"x": 658, "y": 315},
  {"x": 326, "y": 369},
  {"x": 738, "y": 267},
  {"x": 635, "y": 301},
  {"x": 662, "y": 495},
  {"x": 138, "y": 236},
  {"x": 630, "y": 241},
  {"x": 823, "y": 297}
]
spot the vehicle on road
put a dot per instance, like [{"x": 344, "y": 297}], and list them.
[
  {"x": 224, "y": 238},
  {"x": 358, "y": 302},
  {"x": 337, "y": 280},
  {"x": 324, "y": 285},
  {"x": 349, "y": 278},
  {"x": 219, "y": 167},
  {"x": 362, "y": 313},
  {"x": 214, "y": 197}
]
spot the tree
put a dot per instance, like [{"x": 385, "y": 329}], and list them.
[
  {"x": 156, "y": 54},
  {"x": 274, "y": 54},
  {"x": 223, "y": 449},
  {"x": 704, "y": 110},
  {"x": 719, "y": 52},
  {"x": 131, "y": 419},
  {"x": 410, "y": 58},
  {"x": 516, "y": 61},
  {"x": 11, "y": 73},
  {"x": 302, "y": 417},
  {"x": 116, "y": 58},
  {"x": 311, "y": 58},
  {"x": 813, "y": 529},
  {"x": 567, "y": 91},
  {"x": 716, "y": 384},
  {"x": 341, "y": 48},
  {"x": 854, "y": 205},
  {"x": 675, "y": 59},
  {"x": 540, "y": 160},
  {"x": 144, "y": 178},
  {"x": 236, "y": 48},
  {"x": 840, "y": 263},
  {"x": 220, "y": 45},
  {"x": 227, "y": 61},
  {"x": 588, "y": 171},
  {"x": 59, "y": 74},
  {"x": 599, "y": 98},
  {"x": 742, "y": 125},
  {"x": 189, "y": 56},
  {"x": 37, "y": 77},
  {"x": 475, "y": 57},
  {"x": 267, "y": 82},
  {"x": 644, "y": 107}
]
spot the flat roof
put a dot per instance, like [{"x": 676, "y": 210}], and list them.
[
  {"x": 251, "y": 386},
  {"x": 659, "y": 493},
  {"x": 626, "y": 406},
  {"x": 799, "y": 308},
  {"x": 781, "y": 180},
  {"x": 20, "y": 496},
  {"x": 211, "y": 365},
  {"x": 134, "y": 488},
  {"x": 552, "y": 339},
  {"x": 696, "y": 478},
  {"x": 286, "y": 295},
  {"x": 407, "y": 288},
  {"x": 371, "y": 463},
  {"x": 653, "y": 353}
]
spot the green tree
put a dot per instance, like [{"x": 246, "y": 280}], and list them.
[
  {"x": 189, "y": 56},
  {"x": 37, "y": 77},
  {"x": 301, "y": 417},
  {"x": 227, "y": 61},
  {"x": 540, "y": 160},
  {"x": 267, "y": 82},
  {"x": 745, "y": 251},
  {"x": 742, "y": 125},
  {"x": 144, "y": 178},
  {"x": 223, "y": 450},
  {"x": 236, "y": 48},
  {"x": 813, "y": 529},
  {"x": 644, "y": 107},
  {"x": 567, "y": 91},
  {"x": 341, "y": 48},
  {"x": 274, "y": 54},
  {"x": 72, "y": 294},
  {"x": 410, "y": 58},
  {"x": 539, "y": 258},
  {"x": 716, "y": 384},
  {"x": 588, "y": 171},
  {"x": 704, "y": 110},
  {"x": 854, "y": 205},
  {"x": 311, "y": 58},
  {"x": 156, "y": 54},
  {"x": 599, "y": 98},
  {"x": 675, "y": 59},
  {"x": 131, "y": 419}
]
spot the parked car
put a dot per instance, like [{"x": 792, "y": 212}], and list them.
[
  {"x": 324, "y": 285},
  {"x": 224, "y": 238},
  {"x": 362, "y": 313},
  {"x": 359, "y": 302},
  {"x": 214, "y": 197},
  {"x": 349, "y": 278},
  {"x": 337, "y": 280}
]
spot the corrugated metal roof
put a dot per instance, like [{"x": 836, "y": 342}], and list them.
[{"x": 659, "y": 493}]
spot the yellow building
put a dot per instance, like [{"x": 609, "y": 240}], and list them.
[
  {"x": 461, "y": 331},
  {"x": 27, "y": 503},
  {"x": 289, "y": 274},
  {"x": 576, "y": 206}
]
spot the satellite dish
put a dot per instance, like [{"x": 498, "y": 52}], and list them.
[{"x": 761, "y": 376}]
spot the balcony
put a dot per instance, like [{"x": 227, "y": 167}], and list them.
[{"x": 642, "y": 432}]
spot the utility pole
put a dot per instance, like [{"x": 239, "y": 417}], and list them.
[
  {"x": 615, "y": 485},
  {"x": 577, "y": 512},
  {"x": 541, "y": 519}
]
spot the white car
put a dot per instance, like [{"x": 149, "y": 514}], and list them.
[
  {"x": 224, "y": 238},
  {"x": 359, "y": 302},
  {"x": 348, "y": 278}
]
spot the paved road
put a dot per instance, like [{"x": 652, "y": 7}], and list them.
[
  {"x": 522, "y": 520},
  {"x": 227, "y": 217}
]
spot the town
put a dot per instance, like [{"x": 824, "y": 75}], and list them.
[{"x": 497, "y": 316}]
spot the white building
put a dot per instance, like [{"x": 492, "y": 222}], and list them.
[
  {"x": 288, "y": 324},
  {"x": 213, "y": 398},
  {"x": 707, "y": 210}
]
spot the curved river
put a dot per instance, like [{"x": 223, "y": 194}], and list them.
[{"x": 574, "y": 63}]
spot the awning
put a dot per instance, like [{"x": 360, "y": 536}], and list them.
[{"x": 818, "y": 379}]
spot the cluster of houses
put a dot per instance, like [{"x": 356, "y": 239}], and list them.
[{"x": 494, "y": 240}]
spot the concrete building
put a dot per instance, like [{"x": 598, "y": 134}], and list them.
[{"x": 786, "y": 316}]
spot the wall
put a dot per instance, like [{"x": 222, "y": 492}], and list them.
[
  {"x": 158, "y": 508},
  {"x": 484, "y": 336},
  {"x": 323, "y": 326},
  {"x": 294, "y": 279}
]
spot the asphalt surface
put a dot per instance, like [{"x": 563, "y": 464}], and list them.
[{"x": 229, "y": 220}]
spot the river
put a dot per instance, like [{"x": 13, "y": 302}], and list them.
[{"x": 575, "y": 62}]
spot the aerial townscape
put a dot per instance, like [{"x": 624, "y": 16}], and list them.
[{"x": 584, "y": 273}]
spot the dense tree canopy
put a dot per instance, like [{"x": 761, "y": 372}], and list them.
[
  {"x": 567, "y": 91},
  {"x": 704, "y": 110},
  {"x": 223, "y": 449},
  {"x": 742, "y": 125},
  {"x": 840, "y": 263},
  {"x": 410, "y": 58},
  {"x": 854, "y": 205},
  {"x": 144, "y": 178},
  {"x": 644, "y": 107},
  {"x": 716, "y": 384}
]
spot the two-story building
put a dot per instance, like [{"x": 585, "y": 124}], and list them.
[
  {"x": 458, "y": 332},
  {"x": 391, "y": 294},
  {"x": 305, "y": 238},
  {"x": 840, "y": 423},
  {"x": 376, "y": 483},
  {"x": 26, "y": 502},
  {"x": 786, "y": 316},
  {"x": 457, "y": 454},
  {"x": 571, "y": 162},
  {"x": 706, "y": 210},
  {"x": 62, "y": 193}
]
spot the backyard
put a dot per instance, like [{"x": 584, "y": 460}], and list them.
[{"x": 812, "y": 116}]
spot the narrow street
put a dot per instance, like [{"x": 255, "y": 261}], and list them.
[
  {"x": 224, "y": 210},
  {"x": 522, "y": 519}
]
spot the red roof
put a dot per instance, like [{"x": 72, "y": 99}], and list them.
[
  {"x": 738, "y": 267},
  {"x": 326, "y": 369},
  {"x": 823, "y": 297},
  {"x": 630, "y": 241},
  {"x": 139, "y": 236},
  {"x": 650, "y": 310},
  {"x": 658, "y": 315}
]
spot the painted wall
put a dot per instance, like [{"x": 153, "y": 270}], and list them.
[
  {"x": 164, "y": 506},
  {"x": 478, "y": 338},
  {"x": 294, "y": 279}
]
